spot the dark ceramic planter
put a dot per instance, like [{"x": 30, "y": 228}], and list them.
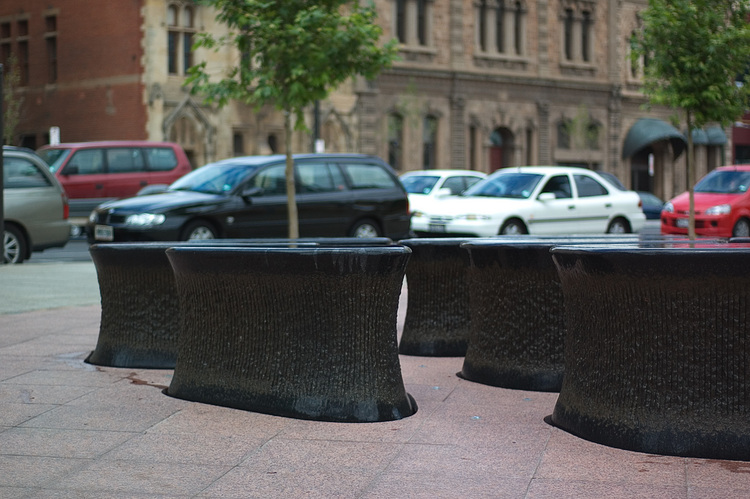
[
  {"x": 140, "y": 318},
  {"x": 304, "y": 333},
  {"x": 437, "y": 313},
  {"x": 656, "y": 355},
  {"x": 517, "y": 313}
]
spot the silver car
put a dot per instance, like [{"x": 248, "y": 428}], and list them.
[{"x": 35, "y": 206}]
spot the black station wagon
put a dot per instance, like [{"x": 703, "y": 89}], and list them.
[{"x": 337, "y": 195}]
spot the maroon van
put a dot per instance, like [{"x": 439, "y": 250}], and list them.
[{"x": 94, "y": 172}]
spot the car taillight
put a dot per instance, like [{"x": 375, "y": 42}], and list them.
[{"x": 66, "y": 206}]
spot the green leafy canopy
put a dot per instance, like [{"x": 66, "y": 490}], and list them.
[
  {"x": 695, "y": 49},
  {"x": 293, "y": 52}
]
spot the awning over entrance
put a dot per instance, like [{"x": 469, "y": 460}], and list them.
[
  {"x": 646, "y": 131},
  {"x": 716, "y": 136}
]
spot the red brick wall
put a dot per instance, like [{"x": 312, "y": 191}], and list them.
[{"x": 98, "y": 94}]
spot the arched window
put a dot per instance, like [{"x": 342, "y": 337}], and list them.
[
  {"x": 180, "y": 32},
  {"x": 586, "y": 36},
  {"x": 429, "y": 141},
  {"x": 563, "y": 134},
  {"x": 395, "y": 140}
]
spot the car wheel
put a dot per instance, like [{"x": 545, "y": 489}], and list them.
[
  {"x": 365, "y": 228},
  {"x": 14, "y": 245},
  {"x": 198, "y": 229},
  {"x": 513, "y": 227},
  {"x": 618, "y": 226},
  {"x": 741, "y": 228}
]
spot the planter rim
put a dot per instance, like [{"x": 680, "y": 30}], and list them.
[
  {"x": 305, "y": 250},
  {"x": 656, "y": 247}
]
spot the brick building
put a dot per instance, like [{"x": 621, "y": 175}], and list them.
[{"x": 481, "y": 84}]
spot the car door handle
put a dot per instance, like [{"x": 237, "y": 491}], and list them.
[
  {"x": 99, "y": 186},
  {"x": 572, "y": 207},
  {"x": 608, "y": 205},
  {"x": 143, "y": 183}
]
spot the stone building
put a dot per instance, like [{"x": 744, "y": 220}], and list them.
[{"x": 480, "y": 84}]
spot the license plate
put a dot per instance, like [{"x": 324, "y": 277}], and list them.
[
  {"x": 681, "y": 223},
  {"x": 437, "y": 228},
  {"x": 104, "y": 233}
]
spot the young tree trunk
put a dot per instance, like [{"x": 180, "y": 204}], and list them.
[
  {"x": 291, "y": 202},
  {"x": 690, "y": 177}
]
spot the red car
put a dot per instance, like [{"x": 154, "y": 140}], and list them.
[{"x": 722, "y": 205}]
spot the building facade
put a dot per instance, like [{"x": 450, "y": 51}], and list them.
[{"x": 480, "y": 84}]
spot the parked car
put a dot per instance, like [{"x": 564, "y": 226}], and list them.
[
  {"x": 337, "y": 195},
  {"x": 94, "y": 172},
  {"x": 534, "y": 200},
  {"x": 722, "y": 205},
  {"x": 652, "y": 205},
  {"x": 35, "y": 206},
  {"x": 426, "y": 185}
]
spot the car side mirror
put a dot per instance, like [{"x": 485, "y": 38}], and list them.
[
  {"x": 444, "y": 192},
  {"x": 248, "y": 193},
  {"x": 70, "y": 170},
  {"x": 547, "y": 196}
]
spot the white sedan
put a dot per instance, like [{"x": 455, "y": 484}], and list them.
[
  {"x": 534, "y": 200},
  {"x": 423, "y": 186}
]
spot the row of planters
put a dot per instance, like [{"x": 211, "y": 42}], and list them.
[{"x": 644, "y": 339}]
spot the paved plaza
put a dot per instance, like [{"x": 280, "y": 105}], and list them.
[{"x": 72, "y": 430}]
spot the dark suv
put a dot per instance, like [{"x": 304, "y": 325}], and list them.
[{"x": 337, "y": 195}]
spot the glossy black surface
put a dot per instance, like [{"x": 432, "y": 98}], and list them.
[{"x": 304, "y": 333}]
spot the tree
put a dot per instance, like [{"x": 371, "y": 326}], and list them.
[
  {"x": 695, "y": 49},
  {"x": 292, "y": 53},
  {"x": 11, "y": 98}
]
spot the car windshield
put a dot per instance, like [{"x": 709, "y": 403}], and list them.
[
  {"x": 419, "y": 184},
  {"x": 506, "y": 185},
  {"x": 214, "y": 179},
  {"x": 724, "y": 182},
  {"x": 54, "y": 157}
]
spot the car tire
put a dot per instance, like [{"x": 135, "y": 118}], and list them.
[
  {"x": 741, "y": 228},
  {"x": 197, "y": 230},
  {"x": 14, "y": 245},
  {"x": 513, "y": 227},
  {"x": 365, "y": 228},
  {"x": 618, "y": 226}
]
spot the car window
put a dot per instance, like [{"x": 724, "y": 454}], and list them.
[
  {"x": 419, "y": 184},
  {"x": 213, "y": 179},
  {"x": 271, "y": 181},
  {"x": 724, "y": 182},
  {"x": 471, "y": 181},
  {"x": 589, "y": 186},
  {"x": 559, "y": 185},
  {"x": 124, "y": 160},
  {"x": 368, "y": 176},
  {"x": 315, "y": 177},
  {"x": 85, "y": 162},
  {"x": 506, "y": 185},
  {"x": 160, "y": 159},
  {"x": 19, "y": 173},
  {"x": 455, "y": 184},
  {"x": 54, "y": 157}
]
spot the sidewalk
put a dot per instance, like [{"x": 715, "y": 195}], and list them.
[{"x": 71, "y": 430}]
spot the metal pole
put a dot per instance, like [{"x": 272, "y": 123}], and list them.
[
  {"x": 316, "y": 125},
  {"x": 2, "y": 174}
]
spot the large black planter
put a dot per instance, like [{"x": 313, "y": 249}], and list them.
[
  {"x": 437, "y": 313},
  {"x": 517, "y": 313},
  {"x": 305, "y": 333},
  {"x": 140, "y": 318},
  {"x": 657, "y": 357}
]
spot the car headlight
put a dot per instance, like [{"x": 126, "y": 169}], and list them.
[
  {"x": 722, "y": 209},
  {"x": 93, "y": 217},
  {"x": 473, "y": 216},
  {"x": 668, "y": 207},
  {"x": 145, "y": 219}
]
